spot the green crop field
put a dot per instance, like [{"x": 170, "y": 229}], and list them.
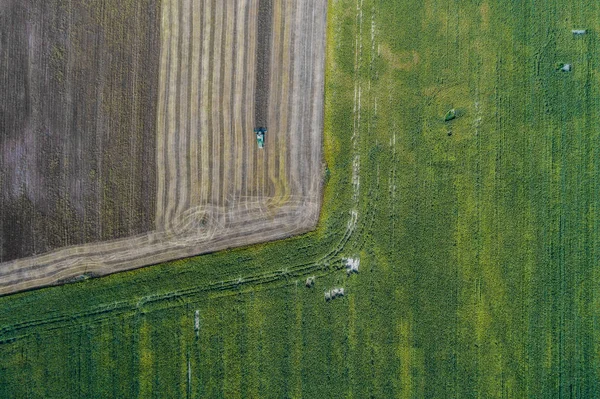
[{"x": 478, "y": 237}]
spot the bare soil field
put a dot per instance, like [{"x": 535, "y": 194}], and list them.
[
  {"x": 224, "y": 67},
  {"x": 77, "y": 122}
]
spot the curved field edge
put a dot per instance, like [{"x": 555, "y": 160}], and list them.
[{"x": 478, "y": 248}]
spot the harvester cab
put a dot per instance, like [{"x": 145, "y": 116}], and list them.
[{"x": 260, "y": 136}]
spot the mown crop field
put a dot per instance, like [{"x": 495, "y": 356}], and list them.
[
  {"x": 477, "y": 238},
  {"x": 79, "y": 196}
]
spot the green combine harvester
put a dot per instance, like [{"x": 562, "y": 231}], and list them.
[{"x": 260, "y": 136}]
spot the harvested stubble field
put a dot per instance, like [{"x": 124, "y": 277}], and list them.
[
  {"x": 478, "y": 250},
  {"x": 223, "y": 68}
]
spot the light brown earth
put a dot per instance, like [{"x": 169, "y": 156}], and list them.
[{"x": 215, "y": 188}]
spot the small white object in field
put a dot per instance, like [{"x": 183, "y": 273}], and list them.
[
  {"x": 566, "y": 68},
  {"x": 352, "y": 265}
]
